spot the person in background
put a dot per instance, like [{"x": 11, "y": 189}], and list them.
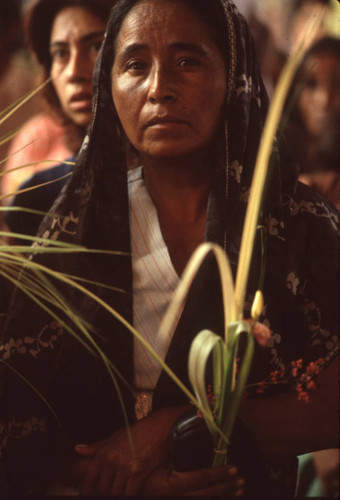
[
  {"x": 40, "y": 144},
  {"x": 313, "y": 133},
  {"x": 65, "y": 36},
  {"x": 266, "y": 21},
  {"x": 312, "y": 127},
  {"x": 18, "y": 76}
]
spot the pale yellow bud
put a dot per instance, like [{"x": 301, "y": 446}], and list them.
[{"x": 257, "y": 307}]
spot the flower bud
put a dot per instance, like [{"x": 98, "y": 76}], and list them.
[{"x": 257, "y": 307}]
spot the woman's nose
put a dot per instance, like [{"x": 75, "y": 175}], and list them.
[
  {"x": 78, "y": 68},
  {"x": 324, "y": 97},
  {"x": 161, "y": 86}
]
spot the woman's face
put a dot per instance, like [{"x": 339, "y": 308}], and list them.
[
  {"x": 321, "y": 93},
  {"x": 168, "y": 79},
  {"x": 75, "y": 40}
]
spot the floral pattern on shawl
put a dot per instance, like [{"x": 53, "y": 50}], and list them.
[
  {"x": 245, "y": 85},
  {"x": 47, "y": 338},
  {"x": 18, "y": 430},
  {"x": 319, "y": 209}
]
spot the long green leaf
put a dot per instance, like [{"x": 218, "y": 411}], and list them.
[
  {"x": 5, "y": 114},
  {"x": 187, "y": 279},
  {"x": 202, "y": 346},
  {"x": 261, "y": 168}
]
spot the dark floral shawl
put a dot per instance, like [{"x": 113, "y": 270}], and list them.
[{"x": 300, "y": 287}]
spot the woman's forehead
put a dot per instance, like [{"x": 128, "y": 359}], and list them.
[
  {"x": 172, "y": 21},
  {"x": 76, "y": 21}
]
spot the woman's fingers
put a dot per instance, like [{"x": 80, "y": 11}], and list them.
[
  {"x": 135, "y": 483},
  {"x": 230, "y": 488},
  {"x": 129, "y": 481},
  {"x": 105, "y": 481},
  {"x": 90, "y": 478},
  {"x": 201, "y": 478},
  {"x": 87, "y": 450},
  {"x": 166, "y": 482},
  {"x": 103, "y": 477},
  {"x": 119, "y": 484}
]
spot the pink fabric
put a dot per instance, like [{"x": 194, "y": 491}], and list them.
[{"x": 40, "y": 138}]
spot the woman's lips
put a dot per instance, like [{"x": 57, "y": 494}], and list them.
[
  {"x": 164, "y": 121},
  {"x": 81, "y": 102}
]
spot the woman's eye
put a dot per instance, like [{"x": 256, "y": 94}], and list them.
[
  {"x": 96, "y": 46},
  {"x": 311, "y": 83},
  {"x": 59, "y": 55},
  {"x": 135, "y": 66},
  {"x": 188, "y": 62}
]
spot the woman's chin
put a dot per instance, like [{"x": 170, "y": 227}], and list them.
[{"x": 171, "y": 151}]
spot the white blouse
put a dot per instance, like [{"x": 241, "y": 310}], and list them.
[{"x": 154, "y": 281}]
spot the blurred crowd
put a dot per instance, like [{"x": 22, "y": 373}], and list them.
[{"x": 37, "y": 132}]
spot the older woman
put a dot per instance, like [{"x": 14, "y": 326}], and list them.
[{"x": 177, "y": 79}]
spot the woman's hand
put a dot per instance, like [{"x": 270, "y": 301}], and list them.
[
  {"x": 221, "y": 481},
  {"x": 111, "y": 466}
]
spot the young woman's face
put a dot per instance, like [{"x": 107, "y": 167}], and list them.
[
  {"x": 168, "y": 79},
  {"x": 75, "y": 40},
  {"x": 321, "y": 93}
]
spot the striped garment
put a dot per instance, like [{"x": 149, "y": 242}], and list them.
[{"x": 154, "y": 281}]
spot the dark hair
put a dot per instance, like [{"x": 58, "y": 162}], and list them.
[
  {"x": 38, "y": 24},
  {"x": 301, "y": 3},
  {"x": 210, "y": 12},
  {"x": 11, "y": 25},
  {"x": 39, "y": 20},
  {"x": 327, "y": 44}
]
